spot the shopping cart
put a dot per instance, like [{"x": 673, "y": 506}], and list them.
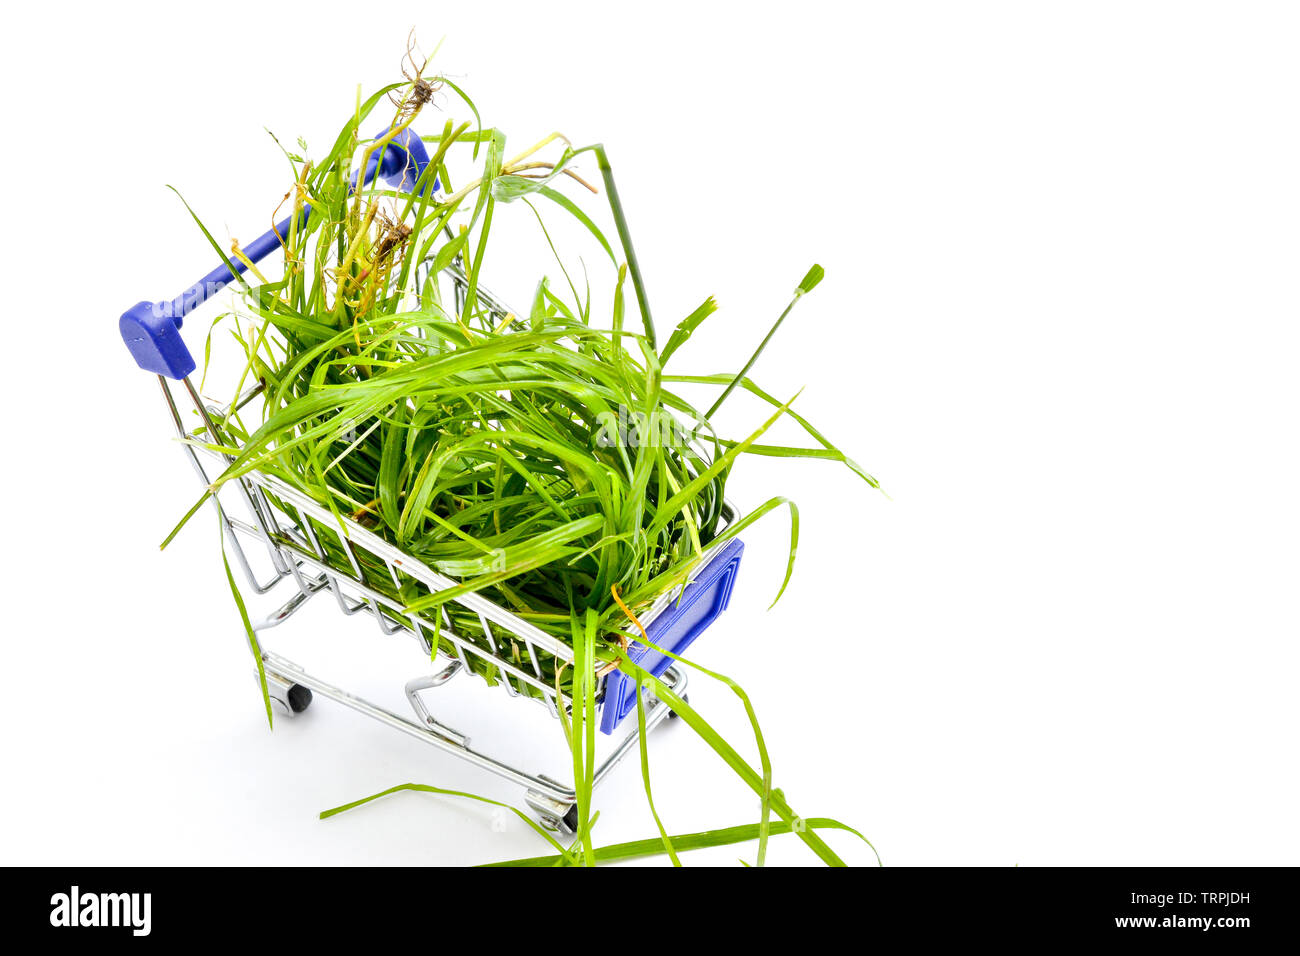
[{"x": 315, "y": 550}]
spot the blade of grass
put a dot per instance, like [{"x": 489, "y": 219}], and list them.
[{"x": 809, "y": 283}]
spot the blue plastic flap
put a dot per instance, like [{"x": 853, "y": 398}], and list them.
[
  {"x": 675, "y": 630},
  {"x": 153, "y": 336}
]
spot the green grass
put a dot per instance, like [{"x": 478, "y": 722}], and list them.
[{"x": 487, "y": 445}]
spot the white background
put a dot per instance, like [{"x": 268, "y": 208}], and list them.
[{"x": 1059, "y": 323}]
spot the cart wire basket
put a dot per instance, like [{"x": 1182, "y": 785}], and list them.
[{"x": 315, "y": 550}]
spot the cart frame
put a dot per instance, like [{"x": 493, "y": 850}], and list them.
[{"x": 257, "y": 509}]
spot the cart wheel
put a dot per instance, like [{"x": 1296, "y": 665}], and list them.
[
  {"x": 299, "y": 698},
  {"x": 571, "y": 818},
  {"x": 672, "y": 714}
]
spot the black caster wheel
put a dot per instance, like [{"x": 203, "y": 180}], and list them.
[
  {"x": 299, "y": 698},
  {"x": 571, "y": 818},
  {"x": 672, "y": 714}
]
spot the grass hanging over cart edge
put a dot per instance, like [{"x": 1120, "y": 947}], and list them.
[{"x": 492, "y": 446}]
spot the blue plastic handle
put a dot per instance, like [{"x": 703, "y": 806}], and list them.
[
  {"x": 151, "y": 330},
  {"x": 674, "y": 630}
]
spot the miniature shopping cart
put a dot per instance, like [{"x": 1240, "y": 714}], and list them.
[{"x": 315, "y": 550}]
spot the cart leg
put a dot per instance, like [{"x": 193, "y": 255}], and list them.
[
  {"x": 292, "y": 698},
  {"x": 553, "y": 814}
]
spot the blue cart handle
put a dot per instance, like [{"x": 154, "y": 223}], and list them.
[{"x": 151, "y": 330}]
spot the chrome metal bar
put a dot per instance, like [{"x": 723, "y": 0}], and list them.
[
  {"x": 264, "y": 517},
  {"x": 462, "y": 645},
  {"x": 237, "y": 546},
  {"x": 444, "y": 738},
  {"x": 288, "y": 671},
  {"x": 291, "y": 606},
  {"x": 413, "y": 688}
]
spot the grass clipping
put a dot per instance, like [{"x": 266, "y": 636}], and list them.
[{"x": 537, "y": 459}]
